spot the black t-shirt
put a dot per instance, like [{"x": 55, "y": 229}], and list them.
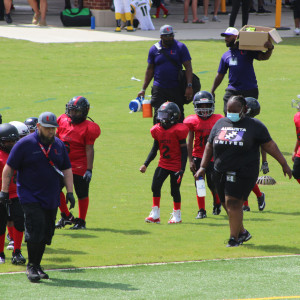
[{"x": 236, "y": 145}]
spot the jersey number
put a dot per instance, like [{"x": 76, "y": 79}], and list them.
[
  {"x": 144, "y": 10},
  {"x": 203, "y": 140},
  {"x": 166, "y": 150}
]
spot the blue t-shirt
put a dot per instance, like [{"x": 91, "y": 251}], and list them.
[
  {"x": 37, "y": 180},
  {"x": 165, "y": 72},
  {"x": 241, "y": 72}
]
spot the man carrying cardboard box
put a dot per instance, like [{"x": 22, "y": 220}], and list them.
[{"x": 242, "y": 79}]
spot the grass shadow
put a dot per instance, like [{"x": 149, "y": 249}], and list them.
[
  {"x": 64, "y": 251},
  {"x": 125, "y": 232},
  {"x": 88, "y": 284},
  {"x": 273, "y": 248}
]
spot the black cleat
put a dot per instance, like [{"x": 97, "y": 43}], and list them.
[
  {"x": 7, "y": 18},
  {"x": 32, "y": 273},
  {"x": 18, "y": 258},
  {"x": 244, "y": 237},
  {"x": 261, "y": 202},
  {"x": 65, "y": 221},
  {"x": 217, "y": 209},
  {"x": 41, "y": 272},
  {"x": 2, "y": 258},
  {"x": 201, "y": 214},
  {"x": 232, "y": 242},
  {"x": 246, "y": 208},
  {"x": 79, "y": 224}
]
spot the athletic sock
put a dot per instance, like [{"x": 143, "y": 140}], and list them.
[
  {"x": 156, "y": 201},
  {"x": 164, "y": 9},
  {"x": 177, "y": 205},
  {"x": 10, "y": 230},
  {"x": 18, "y": 237},
  {"x": 201, "y": 202},
  {"x": 246, "y": 203},
  {"x": 257, "y": 191},
  {"x": 217, "y": 199},
  {"x": 40, "y": 253},
  {"x": 63, "y": 205},
  {"x": 298, "y": 180},
  {"x": 157, "y": 12},
  {"x": 2, "y": 241},
  {"x": 83, "y": 207}
]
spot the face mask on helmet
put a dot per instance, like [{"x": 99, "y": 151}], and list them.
[
  {"x": 31, "y": 123},
  {"x": 77, "y": 109},
  {"x": 164, "y": 119},
  {"x": 21, "y": 127},
  {"x": 168, "y": 115},
  {"x": 204, "y": 109}
]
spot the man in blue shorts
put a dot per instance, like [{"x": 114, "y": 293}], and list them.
[
  {"x": 242, "y": 79},
  {"x": 41, "y": 161},
  {"x": 165, "y": 60}
]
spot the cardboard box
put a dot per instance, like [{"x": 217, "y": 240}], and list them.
[{"x": 255, "y": 40}]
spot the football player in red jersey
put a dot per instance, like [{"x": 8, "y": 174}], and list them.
[
  {"x": 13, "y": 210},
  {"x": 296, "y": 153},
  {"x": 170, "y": 138},
  {"x": 79, "y": 135},
  {"x": 200, "y": 126}
]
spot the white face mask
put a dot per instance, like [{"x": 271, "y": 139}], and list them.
[{"x": 234, "y": 117}]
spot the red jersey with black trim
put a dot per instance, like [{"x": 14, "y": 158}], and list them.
[
  {"x": 12, "y": 186},
  {"x": 169, "y": 146},
  {"x": 297, "y": 124},
  {"x": 76, "y": 137},
  {"x": 201, "y": 129}
]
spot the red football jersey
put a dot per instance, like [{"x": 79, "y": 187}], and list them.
[
  {"x": 297, "y": 124},
  {"x": 201, "y": 129},
  {"x": 12, "y": 186},
  {"x": 76, "y": 137},
  {"x": 169, "y": 147}
]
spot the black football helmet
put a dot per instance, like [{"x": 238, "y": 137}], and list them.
[
  {"x": 168, "y": 114},
  {"x": 204, "y": 104},
  {"x": 31, "y": 123},
  {"x": 81, "y": 104},
  {"x": 8, "y": 133},
  {"x": 253, "y": 107}
]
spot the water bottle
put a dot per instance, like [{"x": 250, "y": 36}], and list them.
[
  {"x": 135, "y": 105},
  {"x": 93, "y": 22},
  {"x": 200, "y": 184},
  {"x": 147, "y": 109}
]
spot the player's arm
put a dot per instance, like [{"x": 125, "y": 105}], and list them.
[
  {"x": 296, "y": 149},
  {"x": 264, "y": 165},
  {"x": 218, "y": 79},
  {"x": 148, "y": 77},
  {"x": 7, "y": 174},
  {"x": 266, "y": 55},
  {"x": 190, "y": 142},
  {"x": 89, "y": 150},
  {"x": 207, "y": 156},
  {"x": 189, "y": 78},
  {"x": 152, "y": 154},
  {"x": 184, "y": 155},
  {"x": 68, "y": 180}
]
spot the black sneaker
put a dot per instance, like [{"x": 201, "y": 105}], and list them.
[
  {"x": 8, "y": 18},
  {"x": 252, "y": 11},
  {"x": 261, "y": 202},
  {"x": 201, "y": 214},
  {"x": 32, "y": 273},
  {"x": 261, "y": 11},
  {"x": 41, "y": 272},
  {"x": 79, "y": 224},
  {"x": 246, "y": 208},
  {"x": 9, "y": 238},
  {"x": 217, "y": 209},
  {"x": 18, "y": 258},
  {"x": 244, "y": 237},
  {"x": 2, "y": 258},
  {"x": 232, "y": 242},
  {"x": 65, "y": 221}
]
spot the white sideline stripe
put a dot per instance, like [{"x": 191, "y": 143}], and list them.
[
  {"x": 158, "y": 264},
  {"x": 50, "y": 34}
]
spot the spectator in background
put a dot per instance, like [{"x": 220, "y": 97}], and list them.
[
  {"x": 235, "y": 9},
  {"x": 140, "y": 10},
  {"x": 7, "y": 8},
  {"x": 40, "y": 11},
  {"x": 297, "y": 16},
  {"x": 261, "y": 10},
  {"x": 234, "y": 142},
  {"x": 123, "y": 11},
  {"x": 159, "y": 5},
  {"x": 165, "y": 60},
  {"x": 242, "y": 79},
  {"x": 194, "y": 11},
  {"x": 216, "y": 9}
]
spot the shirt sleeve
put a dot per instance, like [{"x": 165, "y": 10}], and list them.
[
  {"x": 92, "y": 134},
  {"x": 262, "y": 134},
  {"x": 188, "y": 122},
  {"x": 151, "y": 55},
  {"x": 223, "y": 66},
  {"x": 185, "y": 54},
  {"x": 182, "y": 132},
  {"x": 15, "y": 156}
]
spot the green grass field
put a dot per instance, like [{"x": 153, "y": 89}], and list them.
[{"x": 44, "y": 77}]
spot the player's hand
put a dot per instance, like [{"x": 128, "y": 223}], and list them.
[
  {"x": 141, "y": 94},
  {"x": 265, "y": 167},
  {"x": 87, "y": 176},
  {"x": 70, "y": 197},
  {"x": 4, "y": 198},
  {"x": 200, "y": 172},
  {"x": 193, "y": 167},
  {"x": 143, "y": 169},
  {"x": 179, "y": 176}
]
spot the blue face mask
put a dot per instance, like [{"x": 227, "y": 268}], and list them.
[{"x": 234, "y": 117}]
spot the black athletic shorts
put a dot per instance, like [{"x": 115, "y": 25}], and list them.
[
  {"x": 3, "y": 218},
  {"x": 296, "y": 168},
  {"x": 39, "y": 223},
  {"x": 80, "y": 185},
  {"x": 240, "y": 189},
  {"x": 16, "y": 214}
]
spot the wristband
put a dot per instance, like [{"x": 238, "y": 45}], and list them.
[
  {"x": 143, "y": 90},
  {"x": 189, "y": 85}
]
